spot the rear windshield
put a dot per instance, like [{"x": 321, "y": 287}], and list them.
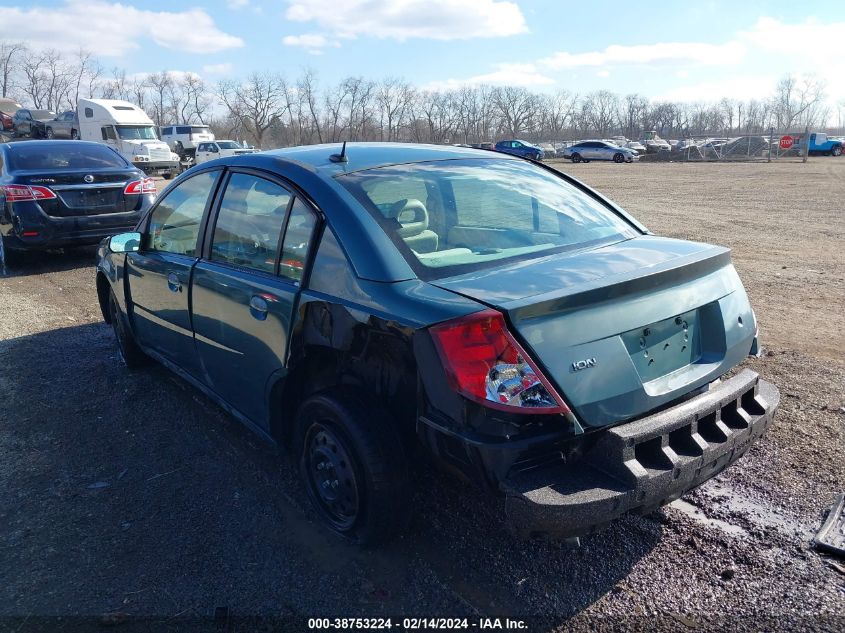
[
  {"x": 200, "y": 129},
  {"x": 228, "y": 145},
  {"x": 454, "y": 216},
  {"x": 63, "y": 155}
]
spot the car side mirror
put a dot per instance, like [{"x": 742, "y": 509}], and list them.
[{"x": 125, "y": 243}]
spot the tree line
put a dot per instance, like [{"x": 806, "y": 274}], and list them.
[{"x": 270, "y": 110}]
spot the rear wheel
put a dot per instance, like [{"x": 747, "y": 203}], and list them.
[
  {"x": 50, "y": 133},
  {"x": 353, "y": 465},
  {"x": 618, "y": 157},
  {"x": 132, "y": 355},
  {"x": 576, "y": 157},
  {"x": 74, "y": 135}
]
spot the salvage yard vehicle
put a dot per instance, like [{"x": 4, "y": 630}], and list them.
[
  {"x": 357, "y": 304},
  {"x": 27, "y": 122},
  {"x": 585, "y": 151},
  {"x": 63, "y": 126},
  {"x": 183, "y": 139},
  {"x": 823, "y": 145},
  {"x": 8, "y": 107},
  {"x": 129, "y": 131},
  {"x": 520, "y": 148},
  {"x": 67, "y": 193},
  {"x": 220, "y": 149}
]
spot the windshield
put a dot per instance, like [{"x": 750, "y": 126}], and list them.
[
  {"x": 228, "y": 145},
  {"x": 136, "y": 132},
  {"x": 449, "y": 217},
  {"x": 29, "y": 156}
]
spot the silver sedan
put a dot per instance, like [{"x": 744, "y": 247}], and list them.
[{"x": 599, "y": 150}]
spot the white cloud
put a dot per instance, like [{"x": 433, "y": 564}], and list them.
[
  {"x": 659, "y": 53},
  {"x": 112, "y": 29},
  {"x": 217, "y": 69},
  {"x": 603, "y": 73},
  {"x": 314, "y": 43},
  {"x": 407, "y": 19},
  {"x": 237, "y": 4},
  {"x": 504, "y": 75}
]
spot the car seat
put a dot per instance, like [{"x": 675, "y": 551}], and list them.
[{"x": 412, "y": 217}]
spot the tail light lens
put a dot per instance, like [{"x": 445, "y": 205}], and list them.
[
  {"x": 137, "y": 187},
  {"x": 23, "y": 193},
  {"x": 486, "y": 364}
]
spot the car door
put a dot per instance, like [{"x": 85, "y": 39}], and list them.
[
  {"x": 159, "y": 275},
  {"x": 245, "y": 289},
  {"x": 23, "y": 124}
]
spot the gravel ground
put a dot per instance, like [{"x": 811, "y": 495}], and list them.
[{"x": 130, "y": 493}]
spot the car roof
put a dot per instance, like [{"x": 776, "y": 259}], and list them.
[{"x": 361, "y": 156}]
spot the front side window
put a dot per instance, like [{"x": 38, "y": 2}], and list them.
[
  {"x": 175, "y": 222},
  {"x": 453, "y": 216},
  {"x": 249, "y": 223},
  {"x": 108, "y": 133}
]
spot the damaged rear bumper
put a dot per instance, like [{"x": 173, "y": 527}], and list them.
[{"x": 641, "y": 465}]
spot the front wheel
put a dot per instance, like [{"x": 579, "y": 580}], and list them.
[
  {"x": 50, "y": 133},
  {"x": 618, "y": 158},
  {"x": 837, "y": 151},
  {"x": 132, "y": 355},
  {"x": 576, "y": 158},
  {"x": 74, "y": 135},
  {"x": 353, "y": 465}
]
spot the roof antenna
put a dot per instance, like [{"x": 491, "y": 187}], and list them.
[{"x": 340, "y": 158}]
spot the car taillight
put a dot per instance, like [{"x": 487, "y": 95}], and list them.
[
  {"x": 23, "y": 193},
  {"x": 486, "y": 364},
  {"x": 147, "y": 185}
]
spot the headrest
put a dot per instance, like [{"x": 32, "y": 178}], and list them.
[{"x": 411, "y": 216}]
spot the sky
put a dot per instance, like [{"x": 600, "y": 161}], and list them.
[{"x": 691, "y": 51}]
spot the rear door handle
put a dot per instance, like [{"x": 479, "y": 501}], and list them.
[
  {"x": 173, "y": 283},
  {"x": 258, "y": 307}
]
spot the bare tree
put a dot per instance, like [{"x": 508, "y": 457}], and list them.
[
  {"x": 9, "y": 53},
  {"x": 516, "y": 108},
  {"x": 257, "y": 103}
]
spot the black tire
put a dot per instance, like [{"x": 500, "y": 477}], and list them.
[
  {"x": 618, "y": 157},
  {"x": 179, "y": 148},
  {"x": 33, "y": 132},
  {"x": 132, "y": 355},
  {"x": 50, "y": 134},
  {"x": 576, "y": 157},
  {"x": 837, "y": 151},
  {"x": 352, "y": 463},
  {"x": 74, "y": 135}
]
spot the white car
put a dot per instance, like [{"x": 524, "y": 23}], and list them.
[
  {"x": 585, "y": 151},
  {"x": 218, "y": 149},
  {"x": 636, "y": 146},
  {"x": 184, "y": 139}
]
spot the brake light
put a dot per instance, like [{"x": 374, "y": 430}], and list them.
[
  {"x": 137, "y": 187},
  {"x": 486, "y": 364},
  {"x": 23, "y": 193}
]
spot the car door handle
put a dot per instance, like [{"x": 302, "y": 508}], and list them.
[
  {"x": 258, "y": 307},
  {"x": 173, "y": 283}
]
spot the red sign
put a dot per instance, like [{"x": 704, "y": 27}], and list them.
[{"x": 786, "y": 142}]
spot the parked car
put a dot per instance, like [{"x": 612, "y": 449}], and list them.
[
  {"x": 484, "y": 145},
  {"x": 27, "y": 122},
  {"x": 128, "y": 130},
  {"x": 220, "y": 149},
  {"x": 359, "y": 304},
  {"x": 549, "y": 150},
  {"x": 585, "y": 151},
  {"x": 8, "y": 107},
  {"x": 636, "y": 146},
  {"x": 67, "y": 193},
  {"x": 520, "y": 148},
  {"x": 66, "y": 125},
  {"x": 823, "y": 145},
  {"x": 183, "y": 139}
]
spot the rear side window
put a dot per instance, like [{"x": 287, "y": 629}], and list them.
[
  {"x": 298, "y": 236},
  {"x": 175, "y": 222},
  {"x": 249, "y": 223},
  {"x": 64, "y": 156},
  {"x": 183, "y": 130}
]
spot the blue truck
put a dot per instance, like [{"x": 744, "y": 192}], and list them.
[{"x": 823, "y": 145}]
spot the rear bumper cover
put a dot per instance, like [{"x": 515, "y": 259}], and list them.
[{"x": 641, "y": 465}]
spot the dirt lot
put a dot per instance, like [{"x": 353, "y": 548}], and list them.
[{"x": 129, "y": 492}]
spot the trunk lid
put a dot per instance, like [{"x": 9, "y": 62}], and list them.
[
  {"x": 626, "y": 328},
  {"x": 77, "y": 197}
]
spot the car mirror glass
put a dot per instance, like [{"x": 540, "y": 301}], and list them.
[{"x": 125, "y": 243}]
